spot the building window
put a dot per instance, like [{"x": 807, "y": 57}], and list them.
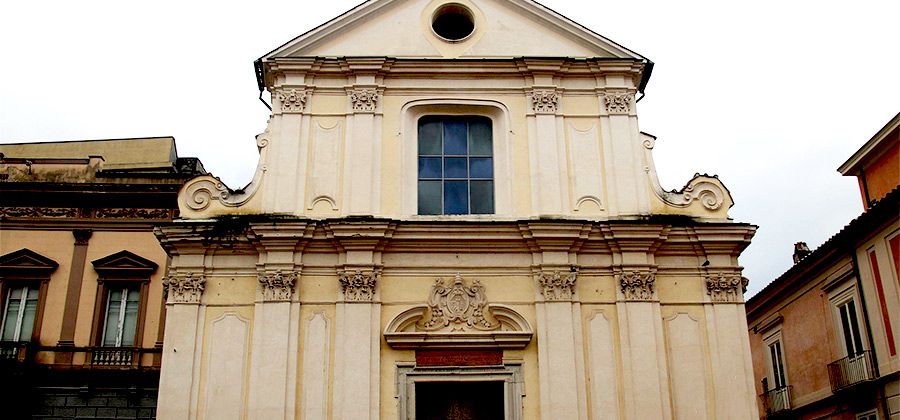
[
  {"x": 122, "y": 289},
  {"x": 868, "y": 415},
  {"x": 455, "y": 165},
  {"x": 23, "y": 284},
  {"x": 776, "y": 365},
  {"x": 120, "y": 320},
  {"x": 849, "y": 327},
  {"x": 19, "y": 313}
]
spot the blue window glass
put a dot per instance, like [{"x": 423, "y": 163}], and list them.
[
  {"x": 429, "y": 168},
  {"x": 456, "y": 165}
]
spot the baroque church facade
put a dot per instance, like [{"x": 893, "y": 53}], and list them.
[{"x": 460, "y": 220}]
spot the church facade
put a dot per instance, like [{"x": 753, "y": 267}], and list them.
[{"x": 455, "y": 215}]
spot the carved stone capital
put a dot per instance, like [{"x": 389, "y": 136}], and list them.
[
  {"x": 185, "y": 288},
  {"x": 364, "y": 100},
  {"x": 726, "y": 288},
  {"x": 292, "y": 100},
  {"x": 556, "y": 285},
  {"x": 457, "y": 306},
  {"x": 618, "y": 102},
  {"x": 637, "y": 285},
  {"x": 358, "y": 286},
  {"x": 277, "y": 286},
  {"x": 544, "y": 101}
]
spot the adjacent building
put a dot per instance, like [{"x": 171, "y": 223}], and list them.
[
  {"x": 825, "y": 334},
  {"x": 455, "y": 215},
  {"x": 81, "y": 274}
]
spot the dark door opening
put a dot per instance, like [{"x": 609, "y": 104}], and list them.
[{"x": 459, "y": 400}]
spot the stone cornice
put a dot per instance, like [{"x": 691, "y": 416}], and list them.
[{"x": 493, "y": 67}]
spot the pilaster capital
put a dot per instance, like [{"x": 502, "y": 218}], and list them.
[
  {"x": 618, "y": 102},
  {"x": 292, "y": 100},
  {"x": 637, "y": 284},
  {"x": 184, "y": 288},
  {"x": 557, "y": 285},
  {"x": 544, "y": 101},
  {"x": 726, "y": 287},
  {"x": 364, "y": 100},
  {"x": 277, "y": 286},
  {"x": 358, "y": 285},
  {"x": 82, "y": 236}
]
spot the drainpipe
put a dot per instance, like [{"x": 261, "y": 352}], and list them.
[{"x": 865, "y": 185}]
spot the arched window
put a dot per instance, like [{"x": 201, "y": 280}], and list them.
[{"x": 455, "y": 165}]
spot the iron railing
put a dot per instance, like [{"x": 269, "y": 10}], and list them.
[
  {"x": 777, "y": 401},
  {"x": 851, "y": 370}
]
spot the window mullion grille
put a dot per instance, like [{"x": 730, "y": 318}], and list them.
[
  {"x": 21, "y": 315},
  {"x": 120, "y": 324},
  {"x": 5, "y": 312}
]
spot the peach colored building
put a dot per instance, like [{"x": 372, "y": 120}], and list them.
[
  {"x": 825, "y": 334},
  {"x": 81, "y": 275}
]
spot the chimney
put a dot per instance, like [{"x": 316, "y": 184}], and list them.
[{"x": 801, "y": 250}]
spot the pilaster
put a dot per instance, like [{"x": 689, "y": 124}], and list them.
[
  {"x": 628, "y": 185},
  {"x": 272, "y": 382},
  {"x": 179, "y": 371},
  {"x": 643, "y": 349},
  {"x": 357, "y": 367},
  {"x": 362, "y": 160},
  {"x": 560, "y": 337}
]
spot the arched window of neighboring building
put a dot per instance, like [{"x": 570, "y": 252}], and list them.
[{"x": 455, "y": 165}]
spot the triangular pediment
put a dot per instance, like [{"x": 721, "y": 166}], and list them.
[
  {"x": 402, "y": 28},
  {"x": 26, "y": 262},
  {"x": 124, "y": 263}
]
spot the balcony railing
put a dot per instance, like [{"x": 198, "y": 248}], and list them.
[
  {"x": 777, "y": 401},
  {"x": 113, "y": 356},
  {"x": 13, "y": 350},
  {"x": 852, "y": 370}
]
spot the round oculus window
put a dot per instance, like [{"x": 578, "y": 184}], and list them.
[{"x": 453, "y": 22}]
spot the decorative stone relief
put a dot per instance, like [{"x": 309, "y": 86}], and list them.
[
  {"x": 709, "y": 194},
  {"x": 545, "y": 101},
  {"x": 707, "y": 189},
  {"x": 358, "y": 286},
  {"x": 618, "y": 102},
  {"x": 186, "y": 288},
  {"x": 726, "y": 288},
  {"x": 556, "y": 285},
  {"x": 200, "y": 194},
  {"x": 457, "y": 305},
  {"x": 133, "y": 214},
  {"x": 364, "y": 100},
  {"x": 292, "y": 100},
  {"x": 277, "y": 286},
  {"x": 38, "y": 212},
  {"x": 637, "y": 285}
]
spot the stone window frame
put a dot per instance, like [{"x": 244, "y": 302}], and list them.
[
  {"x": 838, "y": 297},
  {"x": 772, "y": 336},
  {"x": 26, "y": 268},
  {"x": 121, "y": 269},
  {"x": 499, "y": 115},
  {"x": 510, "y": 373}
]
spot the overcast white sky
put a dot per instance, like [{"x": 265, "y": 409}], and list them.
[{"x": 770, "y": 95}]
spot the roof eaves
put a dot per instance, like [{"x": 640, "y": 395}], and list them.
[
  {"x": 851, "y": 166},
  {"x": 877, "y": 213}
]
